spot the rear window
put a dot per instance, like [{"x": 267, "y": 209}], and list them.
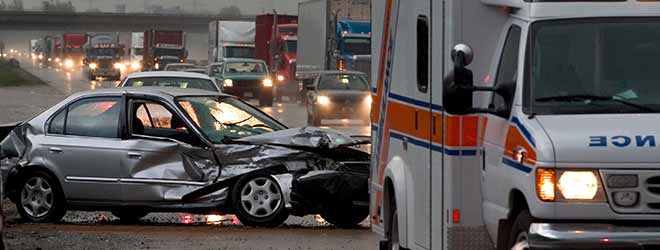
[
  {"x": 343, "y": 82},
  {"x": 177, "y": 82}
]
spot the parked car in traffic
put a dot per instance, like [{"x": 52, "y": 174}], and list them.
[
  {"x": 133, "y": 151},
  {"x": 338, "y": 95},
  {"x": 246, "y": 78},
  {"x": 170, "y": 79},
  {"x": 178, "y": 66}
]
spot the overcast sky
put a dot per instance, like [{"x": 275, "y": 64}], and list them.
[{"x": 247, "y": 6}]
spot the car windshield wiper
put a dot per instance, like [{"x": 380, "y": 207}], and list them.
[{"x": 586, "y": 97}]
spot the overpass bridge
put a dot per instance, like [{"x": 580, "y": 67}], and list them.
[{"x": 106, "y": 22}]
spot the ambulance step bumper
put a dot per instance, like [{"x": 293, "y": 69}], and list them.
[{"x": 578, "y": 236}]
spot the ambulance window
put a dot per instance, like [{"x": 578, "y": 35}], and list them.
[
  {"x": 422, "y": 54},
  {"x": 507, "y": 73}
]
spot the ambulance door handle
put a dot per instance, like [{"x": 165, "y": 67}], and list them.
[
  {"x": 404, "y": 143},
  {"x": 483, "y": 159}
]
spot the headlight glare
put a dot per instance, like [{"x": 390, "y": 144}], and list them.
[
  {"x": 228, "y": 83},
  {"x": 92, "y": 65},
  {"x": 280, "y": 78},
  {"x": 267, "y": 82},
  {"x": 323, "y": 100},
  {"x": 68, "y": 63},
  {"x": 135, "y": 66},
  {"x": 578, "y": 185},
  {"x": 368, "y": 100}
]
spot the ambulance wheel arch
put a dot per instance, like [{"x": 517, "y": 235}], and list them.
[
  {"x": 517, "y": 204},
  {"x": 394, "y": 193}
]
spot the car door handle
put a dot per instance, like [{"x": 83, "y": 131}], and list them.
[
  {"x": 132, "y": 155},
  {"x": 55, "y": 150}
]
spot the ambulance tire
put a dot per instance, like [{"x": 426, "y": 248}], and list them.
[
  {"x": 393, "y": 233},
  {"x": 520, "y": 229}
]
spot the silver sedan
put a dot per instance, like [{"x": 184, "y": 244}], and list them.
[{"x": 138, "y": 150}]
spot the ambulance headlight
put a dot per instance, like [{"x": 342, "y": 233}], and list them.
[{"x": 569, "y": 185}]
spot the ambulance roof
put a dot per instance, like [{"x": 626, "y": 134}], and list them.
[{"x": 539, "y": 9}]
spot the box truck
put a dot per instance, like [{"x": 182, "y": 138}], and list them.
[
  {"x": 162, "y": 47},
  {"x": 330, "y": 38},
  {"x": 515, "y": 124},
  {"x": 231, "y": 39}
]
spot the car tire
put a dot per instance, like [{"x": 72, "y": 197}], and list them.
[
  {"x": 393, "y": 233},
  {"x": 520, "y": 229},
  {"x": 259, "y": 201},
  {"x": 266, "y": 100},
  {"x": 40, "y": 198},
  {"x": 129, "y": 216}
]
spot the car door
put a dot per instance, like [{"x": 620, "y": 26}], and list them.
[
  {"x": 153, "y": 164},
  {"x": 83, "y": 144},
  {"x": 494, "y": 172}
]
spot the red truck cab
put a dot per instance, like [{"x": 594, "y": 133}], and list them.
[{"x": 276, "y": 43}]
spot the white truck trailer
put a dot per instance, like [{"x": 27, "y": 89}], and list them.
[
  {"x": 231, "y": 39},
  {"x": 541, "y": 133}
]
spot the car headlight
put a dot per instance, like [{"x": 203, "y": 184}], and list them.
[
  {"x": 228, "y": 83},
  {"x": 119, "y": 66},
  {"x": 569, "y": 185},
  {"x": 92, "y": 65},
  {"x": 157, "y": 66},
  {"x": 280, "y": 78},
  {"x": 267, "y": 82},
  {"x": 57, "y": 59},
  {"x": 323, "y": 100},
  {"x": 68, "y": 63},
  {"x": 40, "y": 57},
  {"x": 135, "y": 66}
]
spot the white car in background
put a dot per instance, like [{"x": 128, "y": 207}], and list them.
[{"x": 170, "y": 79}]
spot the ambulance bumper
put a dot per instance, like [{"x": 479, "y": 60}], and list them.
[{"x": 579, "y": 236}]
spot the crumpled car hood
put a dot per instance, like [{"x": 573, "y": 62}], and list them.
[{"x": 312, "y": 137}]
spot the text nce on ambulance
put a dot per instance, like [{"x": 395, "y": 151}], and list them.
[{"x": 557, "y": 147}]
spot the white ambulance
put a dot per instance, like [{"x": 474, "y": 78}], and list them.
[{"x": 556, "y": 145}]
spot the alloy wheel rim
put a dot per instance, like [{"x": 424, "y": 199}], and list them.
[
  {"x": 261, "y": 197},
  {"x": 37, "y": 197}
]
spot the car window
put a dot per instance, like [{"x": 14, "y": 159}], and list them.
[
  {"x": 154, "y": 119},
  {"x": 343, "y": 82},
  {"x": 94, "y": 117},
  {"x": 57, "y": 123},
  {"x": 177, "y": 82}
]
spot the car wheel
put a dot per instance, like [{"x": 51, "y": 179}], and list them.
[
  {"x": 259, "y": 201},
  {"x": 129, "y": 216},
  {"x": 40, "y": 198},
  {"x": 393, "y": 233},
  {"x": 520, "y": 230}
]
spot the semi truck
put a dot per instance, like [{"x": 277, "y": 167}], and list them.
[
  {"x": 276, "y": 41},
  {"x": 136, "y": 51},
  {"x": 231, "y": 39},
  {"x": 162, "y": 47},
  {"x": 515, "y": 124},
  {"x": 332, "y": 36},
  {"x": 73, "y": 51},
  {"x": 104, "y": 56}
]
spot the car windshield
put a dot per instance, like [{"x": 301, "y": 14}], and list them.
[
  {"x": 605, "y": 67},
  {"x": 343, "y": 82},
  {"x": 226, "y": 118},
  {"x": 357, "y": 46},
  {"x": 177, "y": 82},
  {"x": 245, "y": 68},
  {"x": 239, "y": 52}
]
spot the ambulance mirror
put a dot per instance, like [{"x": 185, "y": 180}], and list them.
[{"x": 458, "y": 85}]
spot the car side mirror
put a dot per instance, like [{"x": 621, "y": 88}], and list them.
[{"x": 458, "y": 85}]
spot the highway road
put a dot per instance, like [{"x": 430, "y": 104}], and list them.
[{"x": 101, "y": 230}]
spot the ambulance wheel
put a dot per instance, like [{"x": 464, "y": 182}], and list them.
[
  {"x": 259, "y": 201},
  {"x": 393, "y": 233},
  {"x": 520, "y": 230}
]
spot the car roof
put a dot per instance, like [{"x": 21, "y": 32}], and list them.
[
  {"x": 168, "y": 74},
  {"x": 242, "y": 60},
  {"x": 168, "y": 92},
  {"x": 179, "y": 64},
  {"x": 333, "y": 72}
]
